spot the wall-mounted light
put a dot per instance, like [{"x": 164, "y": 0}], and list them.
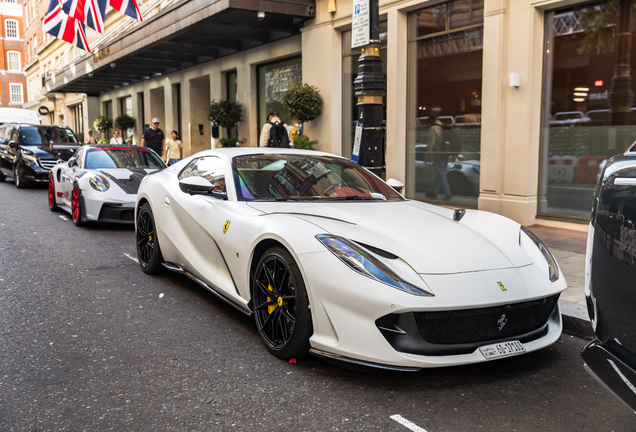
[
  {"x": 113, "y": 65},
  {"x": 582, "y": 89},
  {"x": 579, "y": 99},
  {"x": 580, "y": 94},
  {"x": 260, "y": 15},
  {"x": 514, "y": 80}
]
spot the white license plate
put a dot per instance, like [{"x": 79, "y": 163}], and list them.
[{"x": 502, "y": 349}]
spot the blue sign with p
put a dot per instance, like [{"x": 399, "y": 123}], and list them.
[{"x": 357, "y": 10}]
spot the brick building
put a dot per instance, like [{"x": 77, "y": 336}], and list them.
[{"x": 12, "y": 75}]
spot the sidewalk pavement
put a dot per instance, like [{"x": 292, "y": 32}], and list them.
[{"x": 568, "y": 247}]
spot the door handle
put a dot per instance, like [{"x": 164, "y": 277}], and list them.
[{"x": 166, "y": 201}]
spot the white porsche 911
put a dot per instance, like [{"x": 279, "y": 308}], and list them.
[
  {"x": 100, "y": 182},
  {"x": 332, "y": 261}
]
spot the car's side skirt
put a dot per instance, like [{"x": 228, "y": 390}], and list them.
[{"x": 178, "y": 269}]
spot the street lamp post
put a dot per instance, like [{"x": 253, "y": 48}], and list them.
[{"x": 370, "y": 89}]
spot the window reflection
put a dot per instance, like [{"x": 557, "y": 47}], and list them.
[
  {"x": 578, "y": 132},
  {"x": 444, "y": 117}
]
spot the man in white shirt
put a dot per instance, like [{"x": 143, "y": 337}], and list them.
[{"x": 116, "y": 139}]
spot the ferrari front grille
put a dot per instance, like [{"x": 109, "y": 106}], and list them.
[{"x": 484, "y": 324}]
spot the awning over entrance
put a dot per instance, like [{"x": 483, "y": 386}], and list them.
[{"x": 188, "y": 33}]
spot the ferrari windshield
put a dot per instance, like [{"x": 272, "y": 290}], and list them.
[
  {"x": 291, "y": 177},
  {"x": 43, "y": 135},
  {"x": 122, "y": 157}
]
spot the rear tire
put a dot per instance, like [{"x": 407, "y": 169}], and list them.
[
  {"x": 281, "y": 305},
  {"x": 52, "y": 198},
  {"x": 77, "y": 209},
  {"x": 148, "y": 250}
]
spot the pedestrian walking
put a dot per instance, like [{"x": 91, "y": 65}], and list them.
[
  {"x": 173, "y": 151},
  {"x": 153, "y": 137},
  {"x": 91, "y": 138},
  {"x": 440, "y": 156},
  {"x": 275, "y": 133},
  {"x": 116, "y": 139}
]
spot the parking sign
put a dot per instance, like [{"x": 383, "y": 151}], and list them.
[{"x": 360, "y": 23}]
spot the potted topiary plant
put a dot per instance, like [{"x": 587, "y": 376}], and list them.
[
  {"x": 125, "y": 122},
  {"x": 303, "y": 142},
  {"x": 303, "y": 102},
  {"x": 225, "y": 113},
  {"x": 103, "y": 124}
]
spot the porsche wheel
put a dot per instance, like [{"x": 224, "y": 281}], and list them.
[
  {"x": 148, "y": 251},
  {"x": 281, "y": 305},
  {"x": 76, "y": 206},
  {"x": 16, "y": 177},
  {"x": 52, "y": 203}
]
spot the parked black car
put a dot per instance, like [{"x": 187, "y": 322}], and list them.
[
  {"x": 28, "y": 152},
  {"x": 610, "y": 280}
]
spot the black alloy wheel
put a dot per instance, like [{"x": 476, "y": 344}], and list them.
[
  {"x": 148, "y": 251},
  {"x": 3, "y": 177},
  {"x": 16, "y": 177},
  {"x": 281, "y": 305}
]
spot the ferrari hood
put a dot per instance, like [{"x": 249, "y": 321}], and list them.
[
  {"x": 127, "y": 179},
  {"x": 424, "y": 236}
]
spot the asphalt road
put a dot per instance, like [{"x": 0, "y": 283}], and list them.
[{"x": 87, "y": 342}]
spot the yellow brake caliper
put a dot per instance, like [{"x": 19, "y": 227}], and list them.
[{"x": 270, "y": 308}]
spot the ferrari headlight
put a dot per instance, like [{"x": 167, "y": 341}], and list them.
[
  {"x": 29, "y": 157},
  {"x": 367, "y": 265},
  {"x": 99, "y": 183},
  {"x": 553, "y": 268}
]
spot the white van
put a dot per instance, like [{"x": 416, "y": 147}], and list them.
[{"x": 18, "y": 115}]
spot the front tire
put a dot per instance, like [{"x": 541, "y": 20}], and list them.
[
  {"x": 76, "y": 206},
  {"x": 16, "y": 177},
  {"x": 52, "y": 199},
  {"x": 281, "y": 305},
  {"x": 148, "y": 250}
]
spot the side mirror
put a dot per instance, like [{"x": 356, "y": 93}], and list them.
[
  {"x": 12, "y": 144},
  {"x": 396, "y": 184},
  {"x": 72, "y": 162},
  {"x": 200, "y": 186}
]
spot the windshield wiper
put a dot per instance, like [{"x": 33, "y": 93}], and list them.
[{"x": 355, "y": 197}]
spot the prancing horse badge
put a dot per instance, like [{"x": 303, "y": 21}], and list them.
[
  {"x": 501, "y": 285},
  {"x": 226, "y": 226}
]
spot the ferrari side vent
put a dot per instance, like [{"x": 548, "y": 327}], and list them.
[{"x": 377, "y": 251}]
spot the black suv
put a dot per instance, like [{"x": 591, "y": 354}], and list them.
[
  {"x": 28, "y": 152},
  {"x": 611, "y": 279}
]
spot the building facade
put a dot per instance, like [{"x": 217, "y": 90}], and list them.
[
  {"x": 12, "y": 76},
  {"x": 526, "y": 86}
]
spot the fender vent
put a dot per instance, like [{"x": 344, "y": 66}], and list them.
[{"x": 377, "y": 251}]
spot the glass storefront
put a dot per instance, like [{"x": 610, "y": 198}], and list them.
[
  {"x": 350, "y": 58},
  {"x": 588, "y": 115},
  {"x": 444, "y": 88},
  {"x": 273, "y": 82}
]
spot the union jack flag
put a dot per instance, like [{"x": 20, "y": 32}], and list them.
[
  {"x": 89, "y": 12},
  {"x": 127, "y": 7},
  {"x": 62, "y": 26}
]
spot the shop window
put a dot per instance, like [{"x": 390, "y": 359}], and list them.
[
  {"x": 274, "y": 80},
  {"x": 16, "y": 93},
  {"x": 587, "y": 115},
  {"x": 13, "y": 61},
  {"x": 11, "y": 29},
  {"x": 445, "y": 54},
  {"x": 350, "y": 58}
]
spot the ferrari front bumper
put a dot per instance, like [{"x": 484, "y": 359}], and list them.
[{"x": 346, "y": 305}]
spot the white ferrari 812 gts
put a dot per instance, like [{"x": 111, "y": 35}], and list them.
[{"x": 332, "y": 261}]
